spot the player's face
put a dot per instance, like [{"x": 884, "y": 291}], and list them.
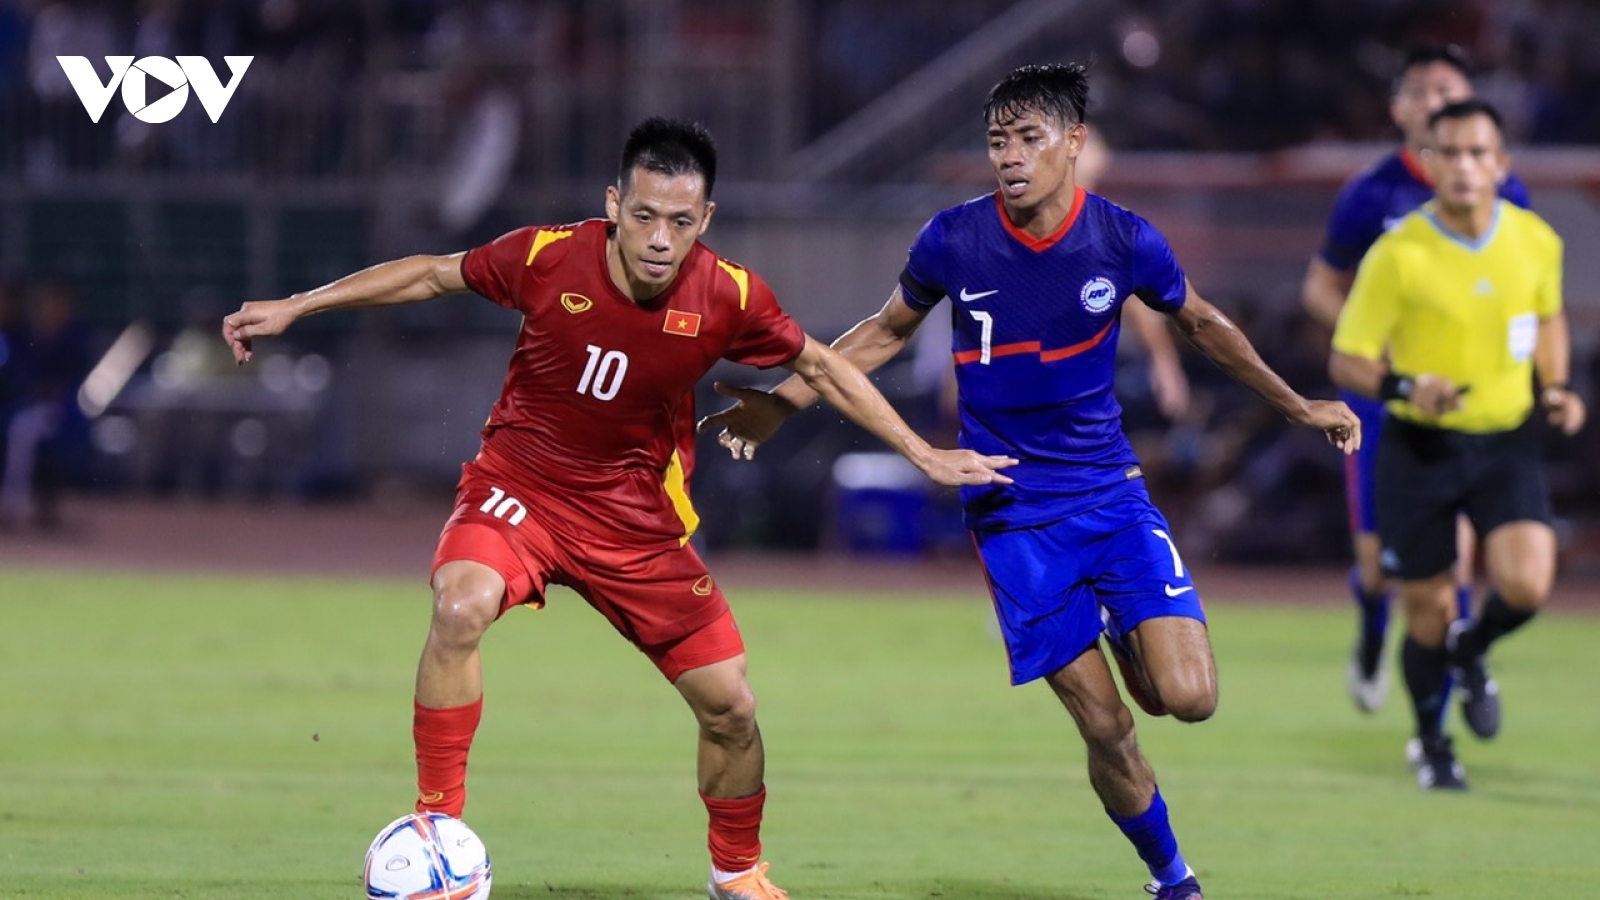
[
  {"x": 1467, "y": 162},
  {"x": 1424, "y": 90},
  {"x": 1033, "y": 157},
  {"x": 658, "y": 218}
]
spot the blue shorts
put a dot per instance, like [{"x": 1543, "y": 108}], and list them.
[
  {"x": 1050, "y": 582},
  {"x": 1360, "y": 468}
]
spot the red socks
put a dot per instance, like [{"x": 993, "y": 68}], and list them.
[
  {"x": 735, "y": 833},
  {"x": 443, "y": 737}
]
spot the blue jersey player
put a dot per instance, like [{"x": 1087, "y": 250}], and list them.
[
  {"x": 1036, "y": 274},
  {"x": 1431, "y": 76}
]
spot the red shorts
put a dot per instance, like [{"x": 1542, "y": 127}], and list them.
[{"x": 663, "y": 600}]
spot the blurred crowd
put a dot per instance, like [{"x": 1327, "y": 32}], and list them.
[
  {"x": 1263, "y": 74},
  {"x": 329, "y": 75},
  {"x": 45, "y": 353},
  {"x": 1248, "y": 74}
]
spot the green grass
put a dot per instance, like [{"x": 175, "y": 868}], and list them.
[{"x": 195, "y": 737}]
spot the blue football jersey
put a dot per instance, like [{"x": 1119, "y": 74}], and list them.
[
  {"x": 1035, "y": 326},
  {"x": 1379, "y": 197}
]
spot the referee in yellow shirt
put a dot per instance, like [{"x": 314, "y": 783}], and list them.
[{"x": 1453, "y": 314}]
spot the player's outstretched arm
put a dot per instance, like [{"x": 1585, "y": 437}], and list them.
[
  {"x": 406, "y": 280},
  {"x": 1215, "y": 335},
  {"x": 756, "y": 415},
  {"x": 845, "y": 387}
]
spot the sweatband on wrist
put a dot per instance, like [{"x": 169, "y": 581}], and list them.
[{"x": 1395, "y": 386}]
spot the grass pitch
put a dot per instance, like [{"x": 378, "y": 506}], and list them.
[{"x": 194, "y": 737}]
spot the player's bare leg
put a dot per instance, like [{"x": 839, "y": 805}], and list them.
[
  {"x": 449, "y": 692},
  {"x": 1369, "y": 574},
  {"x": 1119, "y": 773},
  {"x": 731, "y": 767},
  {"x": 466, "y": 600},
  {"x": 1175, "y": 655},
  {"x": 731, "y": 760},
  {"x": 1521, "y": 561},
  {"x": 1121, "y": 776}
]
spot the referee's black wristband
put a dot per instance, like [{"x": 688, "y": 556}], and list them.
[{"x": 1395, "y": 386}]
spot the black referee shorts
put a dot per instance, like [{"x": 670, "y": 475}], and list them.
[{"x": 1426, "y": 476}]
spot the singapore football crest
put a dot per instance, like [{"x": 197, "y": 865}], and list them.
[{"x": 1098, "y": 295}]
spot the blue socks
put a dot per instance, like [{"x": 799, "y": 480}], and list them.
[
  {"x": 1151, "y": 835},
  {"x": 1463, "y": 601},
  {"x": 1374, "y": 609}
]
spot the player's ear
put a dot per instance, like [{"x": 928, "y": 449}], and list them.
[
  {"x": 613, "y": 204},
  {"x": 1078, "y": 134},
  {"x": 705, "y": 220}
]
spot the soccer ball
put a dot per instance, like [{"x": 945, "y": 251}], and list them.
[{"x": 427, "y": 856}]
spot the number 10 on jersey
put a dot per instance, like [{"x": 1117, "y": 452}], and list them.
[{"x": 602, "y": 377}]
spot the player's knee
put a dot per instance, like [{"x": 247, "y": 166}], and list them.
[
  {"x": 730, "y": 719},
  {"x": 1525, "y": 593},
  {"x": 1116, "y": 741},
  {"x": 463, "y": 611},
  {"x": 1188, "y": 692},
  {"x": 1371, "y": 577},
  {"x": 1107, "y": 729},
  {"x": 1191, "y": 703}
]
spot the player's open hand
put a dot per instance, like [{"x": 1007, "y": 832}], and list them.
[
  {"x": 1334, "y": 419},
  {"x": 1565, "y": 409},
  {"x": 953, "y": 468},
  {"x": 749, "y": 422},
  {"x": 259, "y": 318}
]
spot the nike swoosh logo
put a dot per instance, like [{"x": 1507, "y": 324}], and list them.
[
  {"x": 968, "y": 298},
  {"x": 1175, "y": 591}
]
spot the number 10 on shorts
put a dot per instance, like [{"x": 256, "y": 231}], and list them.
[{"x": 502, "y": 506}]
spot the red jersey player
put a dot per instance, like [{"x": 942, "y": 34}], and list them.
[{"x": 583, "y": 473}]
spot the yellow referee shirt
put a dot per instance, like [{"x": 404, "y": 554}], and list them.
[{"x": 1442, "y": 304}]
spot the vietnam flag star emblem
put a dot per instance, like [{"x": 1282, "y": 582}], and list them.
[{"x": 684, "y": 323}]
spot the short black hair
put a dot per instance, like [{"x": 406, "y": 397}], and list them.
[
  {"x": 1059, "y": 90},
  {"x": 1427, "y": 53},
  {"x": 1466, "y": 109},
  {"x": 669, "y": 147}
]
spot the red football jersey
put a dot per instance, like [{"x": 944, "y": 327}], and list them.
[{"x": 597, "y": 412}]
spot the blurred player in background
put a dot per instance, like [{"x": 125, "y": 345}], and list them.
[
  {"x": 46, "y": 435},
  {"x": 1431, "y": 76},
  {"x": 583, "y": 474},
  {"x": 1039, "y": 272},
  {"x": 1453, "y": 313}
]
